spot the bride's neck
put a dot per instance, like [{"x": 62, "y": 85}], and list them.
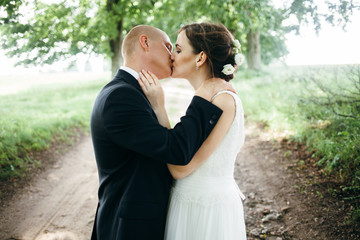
[
  {"x": 197, "y": 80},
  {"x": 196, "y": 83}
]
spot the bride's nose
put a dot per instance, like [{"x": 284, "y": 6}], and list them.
[{"x": 172, "y": 57}]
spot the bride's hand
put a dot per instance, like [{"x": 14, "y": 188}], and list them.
[{"x": 151, "y": 86}]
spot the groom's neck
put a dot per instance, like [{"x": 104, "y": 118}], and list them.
[{"x": 133, "y": 65}]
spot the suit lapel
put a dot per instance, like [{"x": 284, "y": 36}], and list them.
[
  {"x": 124, "y": 76},
  {"x": 127, "y": 77}
]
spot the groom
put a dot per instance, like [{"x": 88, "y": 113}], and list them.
[{"x": 132, "y": 148}]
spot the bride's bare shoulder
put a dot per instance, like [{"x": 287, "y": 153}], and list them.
[{"x": 225, "y": 102}]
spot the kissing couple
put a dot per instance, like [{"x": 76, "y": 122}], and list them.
[{"x": 139, "y": 155}]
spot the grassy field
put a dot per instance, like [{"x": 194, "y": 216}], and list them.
[
  {"x": 40, "y": 114},
  {"x": 293, "y": 101},
  {"x": 315, "y": 106}
]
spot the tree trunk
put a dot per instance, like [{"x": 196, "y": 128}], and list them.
[
  {"x": 115, "y": 46},
  {"x": 253, "y": 50},
  {"x": 115, "y": 43}
]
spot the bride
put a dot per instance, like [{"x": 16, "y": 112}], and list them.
[{"x": 205, "y": 202}]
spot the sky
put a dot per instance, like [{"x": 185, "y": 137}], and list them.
[{"x": 331, "y": 46}]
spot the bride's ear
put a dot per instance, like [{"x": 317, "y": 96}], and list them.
[
  {"x": 144, "y": 42},
  {"x": 201, "y": 59}
]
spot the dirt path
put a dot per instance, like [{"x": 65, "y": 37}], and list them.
[{"x": 60, "y": 203}]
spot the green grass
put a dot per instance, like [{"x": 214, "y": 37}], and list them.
[
  {"x": 263, "y": 99},
  {"x": 280, "y": 98},
  {"x": 31, "y": 120},
  {"x": 287, "y": 100}
]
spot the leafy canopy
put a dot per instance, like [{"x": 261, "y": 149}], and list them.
[{"x": 45, "y": 32}]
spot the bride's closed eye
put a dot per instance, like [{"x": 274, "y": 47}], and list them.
[{"x": 177, "y": 48}]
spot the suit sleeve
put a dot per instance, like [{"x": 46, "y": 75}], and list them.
[{"x": 130, "y": 122}]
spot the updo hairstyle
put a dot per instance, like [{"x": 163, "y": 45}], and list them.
[{"x": 216, "y": 41}]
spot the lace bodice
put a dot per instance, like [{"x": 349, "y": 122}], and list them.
[{"x": 221, "y": 162}]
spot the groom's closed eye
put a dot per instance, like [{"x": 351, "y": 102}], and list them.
[{"x": 169, "y": 47}]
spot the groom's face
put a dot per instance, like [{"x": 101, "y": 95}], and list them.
[{"x": 161, "y": 48}]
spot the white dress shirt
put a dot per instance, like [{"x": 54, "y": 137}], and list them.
[{"x": 130, "y": 71}]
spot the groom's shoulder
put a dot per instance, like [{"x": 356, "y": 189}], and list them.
[
  {"x": 120, "y": 91},
  {"x": 117, "y": 85}
]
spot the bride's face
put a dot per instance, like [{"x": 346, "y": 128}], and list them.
[{"x": 184, "y": 60}]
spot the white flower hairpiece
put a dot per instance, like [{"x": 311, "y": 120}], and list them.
[
  {"x": 228, "y": 69},
  {"x": 237, "y": 45},
  {"x": 239, "y": 59}
]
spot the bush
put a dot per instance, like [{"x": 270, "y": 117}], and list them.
[{"x": 318, "y": 106}]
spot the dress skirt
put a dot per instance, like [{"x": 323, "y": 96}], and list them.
[{"x": 205, "y": 208}]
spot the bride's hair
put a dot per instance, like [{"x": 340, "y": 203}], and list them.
[{"x": 216, "y": 41}]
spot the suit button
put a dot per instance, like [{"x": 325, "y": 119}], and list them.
[
  {"x": 212, "y": 121},
  {"x": 214, "y": 117}
]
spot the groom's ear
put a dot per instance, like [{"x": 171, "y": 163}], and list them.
[
  {"x": 144, "y": 42},
  {"x": 201, "y": 60}
]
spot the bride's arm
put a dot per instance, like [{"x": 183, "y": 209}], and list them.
[
  {"x": 153, "y": 90},
  {"x": 227, "y": 104}
]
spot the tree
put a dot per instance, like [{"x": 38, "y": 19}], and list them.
[
  {"x": 335, "y": 12},
  {"x": 258, "y": 24},
  {"x": 57, "y": 31},
  {"x": 60, "y": 31},
  {"x": 11, "y": 8},
  {"x": 253, "y": 22}
]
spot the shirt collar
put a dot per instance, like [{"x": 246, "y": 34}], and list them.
[{"x": 130, "y": 71}]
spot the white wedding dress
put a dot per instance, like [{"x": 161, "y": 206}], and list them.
[{"x": 207, "y": 204}]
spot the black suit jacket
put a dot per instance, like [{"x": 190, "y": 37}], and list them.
[{"x": 132, "y": 150}]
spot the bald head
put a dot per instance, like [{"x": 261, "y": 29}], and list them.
[
  {"x": 146, "y": 47},
  {"x": 131, "y": 40}
]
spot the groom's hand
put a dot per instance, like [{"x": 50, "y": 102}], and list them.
[{"x": 212, "y": 86}]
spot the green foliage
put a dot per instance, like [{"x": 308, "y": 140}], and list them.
[
  {"x": 319, "y": 107},
  {"x": 30, "y": 121},
  {"x": 11, "y": 8},
  {"x": 336, "y": 12},
  {"x": 285, "y": 101},
  {"x": 267, "y": 98},
  {"x": 61, "y": 30},
  {"x": 51, "y": 32},
  {"x": 238, "y": 16}
]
